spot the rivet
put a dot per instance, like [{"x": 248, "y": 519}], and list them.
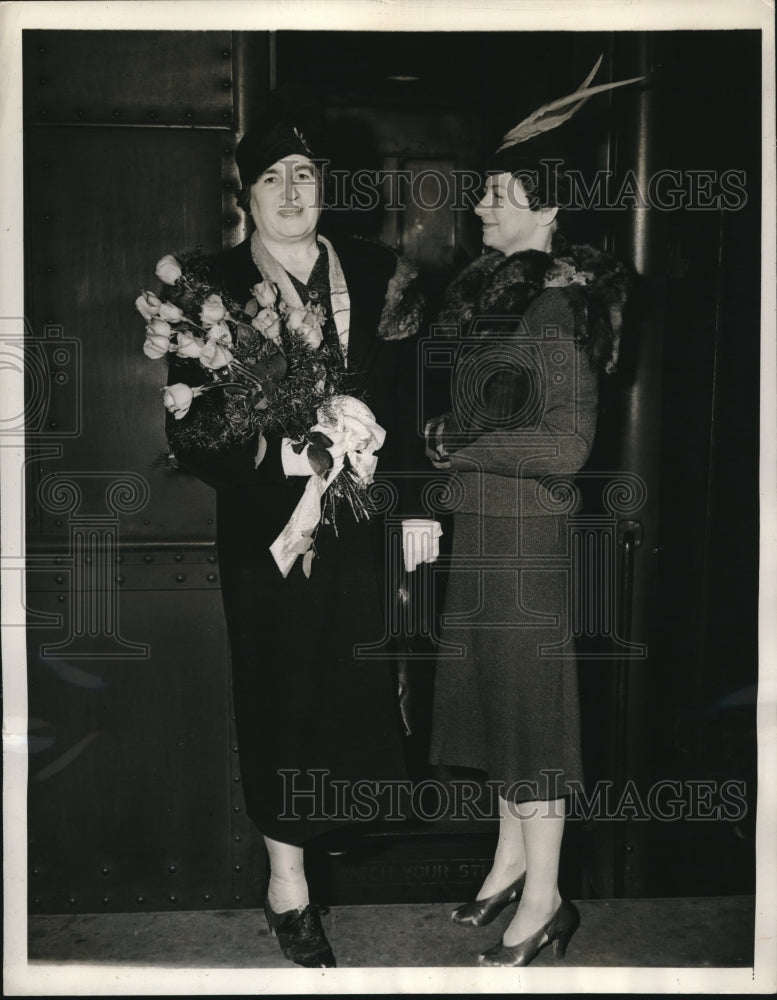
[
  {"x": 235, "y": 809},
  {"x": 226, "y": 84},
  {"x": 47, "y": 217},
  {"x": 237, "y": 837},
  {"x": 227, "y": 151},
  {"x": 234, "y": 749},
  {"x": 226, "y": 115},
  {"x": 211, "y": 559},
  {"x": 52, "y": 423},
  {"x": 80, "y": 113},
  {"x": 58, "y": 524},
  {"x": 172, "y": 869},
  {"x": 42, "y": 50},
  {"x": 207, "y": 897},
  {"x": 36, "y": 902},
  {"x": 59, "y": 579},
  {"x": 210, "y": 520},
  {"x": 36, "y": 871},
  {"x": 61, "y": 598},
  {"x": 178, "y": 557},
  {"x": 238, "y": 899},
  {"x": 140, "y": 899},
  {"x": 146, "y": 520},
  {"x": 188, "y": 115},
  {"x": 236, "y": 778},
  {"x": 105, "y": 871},
  {"x": 173, "y": 899},
  {"x": 237, "y": 868},
  {"x": 179, "y": 577},
  {"x": 226, "y": 53},
  {"x": 72, "y": 901},
  {"x": 119, "y": 579},
  {"x": 116, "y": 113},
  {"x": 211, "y": 578},
  {"x": 106, "y": 899},
  {"x": 58, "y": 561}
]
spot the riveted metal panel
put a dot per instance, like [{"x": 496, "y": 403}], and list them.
[
  {"x": 129, "y": 77},
  {"x": 96, "y": 232},
  {"x": 134, "y": 795}
]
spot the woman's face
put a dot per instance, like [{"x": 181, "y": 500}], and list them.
[
  {"x": 509, "y": 225},
  {"x": 285, "y": 203}
]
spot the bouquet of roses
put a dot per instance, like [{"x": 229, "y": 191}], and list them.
[{"x": 275, "y": 374}]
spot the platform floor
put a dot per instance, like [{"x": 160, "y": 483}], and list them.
[{"x": 703, "y": 932}]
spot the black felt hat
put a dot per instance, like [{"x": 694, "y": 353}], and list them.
[{"x": 266, "y": 143}]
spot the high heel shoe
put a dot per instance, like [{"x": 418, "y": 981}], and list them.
[
  {"x": 558, "y": 930},
  {"x": 479, "y": 912},
  {"x": 301, "y": 936}
]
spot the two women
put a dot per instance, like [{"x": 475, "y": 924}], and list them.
[{"x": 312, "y": 717}]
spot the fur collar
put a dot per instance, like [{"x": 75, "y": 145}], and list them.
[{"x": 597, "y": 284}]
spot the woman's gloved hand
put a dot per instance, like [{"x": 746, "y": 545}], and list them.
[
  {"x": 434, "y": 431},
  {"x": 420, "y": 541}
]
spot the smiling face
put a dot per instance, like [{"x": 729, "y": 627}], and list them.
[
  {"x": 285, "y": 203},
  {"x": 509, "y": 225}
]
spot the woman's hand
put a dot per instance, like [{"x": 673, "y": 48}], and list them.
[{"x": 433, "y": 434}]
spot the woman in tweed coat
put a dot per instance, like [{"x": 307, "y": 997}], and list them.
[{"x": 539, "y": 323}]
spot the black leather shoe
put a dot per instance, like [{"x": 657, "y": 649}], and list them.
[
  {"x": 480, "y": 912},
  {"x": 301, "y": 936},
  {"x": 558, "y": 930}
]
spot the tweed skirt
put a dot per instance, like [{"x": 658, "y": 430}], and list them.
[{"x": 506, "y": 691}]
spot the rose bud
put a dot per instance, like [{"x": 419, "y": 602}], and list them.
[
  {"x": 265, "y": 293},
  {"x": 213, "y": 310},
  {"x": 156, "y": 345},
  {"x": 295, "y": 318},
  {"x": 311, "y": 336},
  {"x": 178, "y": 398},
  {"x": 268, "y": 323},
  {"x": 189, "y": 346},
  {"x": 171, "y": 313},
  {"x": 213, "y": 355},
  {"x": 168, "y": 269},
  {"x": 159, "y": 327},
  {"x": 221, "y": 333},
  {"x": 148, "y": 305}
]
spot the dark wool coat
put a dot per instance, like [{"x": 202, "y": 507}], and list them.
[
  {"x": 537, "y": 332},
  {"x": 304, "y": 700}
]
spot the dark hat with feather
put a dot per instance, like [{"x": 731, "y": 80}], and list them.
[{"x": 534, "y": 141}]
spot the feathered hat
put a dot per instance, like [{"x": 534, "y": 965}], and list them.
[{"x": 530, "y": 140}]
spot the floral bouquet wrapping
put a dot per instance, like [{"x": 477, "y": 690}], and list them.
[{"x": 271, "y": 371}]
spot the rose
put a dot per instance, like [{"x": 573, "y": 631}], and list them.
[
  {"x": 189, "y": 346},
  {"x": 178, "y": 398},
  {"x": 156, "y": 345},
  {"x": 173, "y": 314},
  {"x": 311, "y": 336},
  {"x": 159, "y": 327},
  {"x": 213, "y": 310},
  {"x": 295, "y": 318},
  {"x": 268, "y": 323},
  {"x": 168, "y": 269},
  {"x": 213, "y": 355},
  {"x": 221, "y": 333},
  {"x": 148, "y": 305},
  {"x": 265, "y": 293}
]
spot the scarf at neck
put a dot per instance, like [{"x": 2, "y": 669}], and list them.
[{"x": 272, "y": 270}]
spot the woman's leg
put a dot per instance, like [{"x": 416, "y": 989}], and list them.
[
  {"x": 510, "y": 857},
  {"x": 542, "y": 827},
  {"x": 288, "y": 888}
]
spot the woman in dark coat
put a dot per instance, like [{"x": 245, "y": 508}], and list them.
[
  {"x": 313, "y": 717},
  {"x": 540, "y": 323}
]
